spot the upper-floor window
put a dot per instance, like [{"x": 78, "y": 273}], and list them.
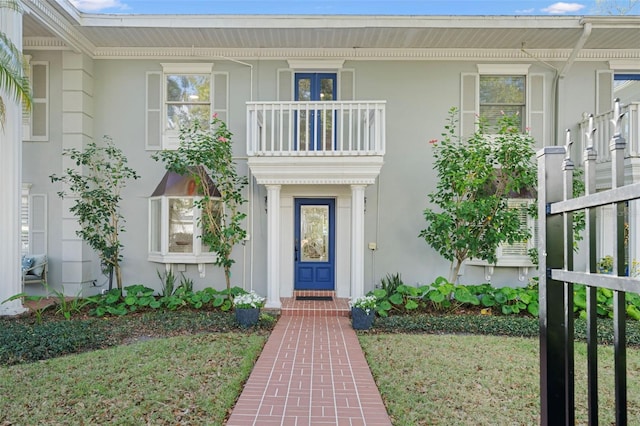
[
  {"x": 179, "y": 94},
  {"x": 187, "y": 99},
  {"x": 626, "y": 87},
  {"x": 502, "y": 94},
  {"x": 35, "y": 122},
  {"x": 505, "y": 88}
]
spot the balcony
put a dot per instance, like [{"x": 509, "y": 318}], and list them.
[
  {"x": 341, "y": 142},
  {"x": 604, "y": 131}
]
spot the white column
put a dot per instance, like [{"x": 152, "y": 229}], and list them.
[
  {"x": 357, "y": 240},
  {"x": 77, "y": 132},
  {"x": 10, "y": 181},
  {"x": 273, "y": 246}
]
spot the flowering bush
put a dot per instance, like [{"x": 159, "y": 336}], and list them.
[
  {"x": 248, "y": 301},
  {"x": 469, "y": 216},
  {"x": 366, "y": 303}
]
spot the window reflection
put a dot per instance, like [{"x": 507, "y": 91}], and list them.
[{"x": 314, "y": 230}]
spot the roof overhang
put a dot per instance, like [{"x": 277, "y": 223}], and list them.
[{"x": 55, "y": 24}]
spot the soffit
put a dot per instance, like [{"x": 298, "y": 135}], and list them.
[{"x": 91, "y": 32}]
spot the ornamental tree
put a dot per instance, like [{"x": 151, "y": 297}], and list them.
[
  {"x": 476, "y": 177},
  {"x": 101, "y": 175},
  {"x": 205, "y": 154}
]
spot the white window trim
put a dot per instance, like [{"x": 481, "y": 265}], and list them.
[
  {"x": 503, "y": 69},
  {"x": 170, "y": 137},
  {"x": 28, "y": 211},
  {"x": 200, "y": 254},
  {"x": 315, "y": 64}
]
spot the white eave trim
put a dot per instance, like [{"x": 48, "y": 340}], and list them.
[
  {"x": 187, "y": 68},
  {"x": 630, "y": 65},
  {"x": 503, "y": 69},
  {"x": 316, "y": 64}
]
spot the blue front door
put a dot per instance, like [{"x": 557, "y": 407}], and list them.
[
  {"x": 314, "y": 249},
  {"x": 315, "y": 129}
]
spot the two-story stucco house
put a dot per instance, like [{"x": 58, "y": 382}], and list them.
[{"x": 331, "y": 117}]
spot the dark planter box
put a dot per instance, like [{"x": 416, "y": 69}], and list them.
[
  {"x": 247, "y": 317},
  {"x": 361, "y": 320}
]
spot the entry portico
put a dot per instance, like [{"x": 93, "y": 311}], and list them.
[{"x": 343, "y": 178}]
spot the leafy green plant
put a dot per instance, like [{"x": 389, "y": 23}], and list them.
[
  {"x": 168, "y": 282},
  {"x": 68, "y": 306},
  {"x": 207, "y": 153},
  {"x": 391, "y": 282},
  {"x": 186, "y": 284},
  {"x": 13, "y": 81},
  {"x": 96, "y": 184},
  {"x": 476, "y": 177}
]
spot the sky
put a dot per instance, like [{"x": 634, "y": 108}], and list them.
[{"x": 354, "y": 7}]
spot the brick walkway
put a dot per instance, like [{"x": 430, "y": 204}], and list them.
[{"x": 311, "y": 372}]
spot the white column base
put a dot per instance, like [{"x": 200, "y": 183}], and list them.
[
  {"x": 12, "y": 308},
  {"x": 357, "y": 240},
  {"x": 273, "y": 247}
]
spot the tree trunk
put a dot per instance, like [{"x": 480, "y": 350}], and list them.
[
  {"x": 454, "y": 270},
  {"x": 118, "y": 275}
]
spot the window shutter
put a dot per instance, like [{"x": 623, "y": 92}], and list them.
[
  {"x": 24, "y": 219},
  {"x": 347, "y": 88},
  {"x": 604, "y": 91},
  {"x": 519, "y": 248},
  {"x": 153, "y": 117},
  {"x": 40, "y": 98},
  {"x": 535, "y": 108},
  {"x": 26, "y": 113},
  {"x": 38, "y": 223},
  {"x": 469, "y": 103},
  {"x": 221, "y": 95},
  {"x": 285, "y": 85}
]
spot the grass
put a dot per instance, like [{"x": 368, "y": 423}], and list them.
[
  {"x": 428, "y": 379},
  {"x": 188, "y": 367},
  {"x": 178, "y": 380}
]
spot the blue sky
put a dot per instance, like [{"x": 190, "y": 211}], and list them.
[{"x": 350, "y": 7}]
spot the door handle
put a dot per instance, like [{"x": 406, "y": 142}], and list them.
[{"x": 295, "y": 250}]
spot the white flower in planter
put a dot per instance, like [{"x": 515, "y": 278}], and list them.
[
  {"x": 366, "y": 303},
  {"x": 248, "y": 301}
]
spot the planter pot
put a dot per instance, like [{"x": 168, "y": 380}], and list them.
[
  {"x": 247, "y": 317},
  {"x": 361, "y": 320}
]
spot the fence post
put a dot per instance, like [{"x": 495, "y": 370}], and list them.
[
  {"x": 616, "y": 146},
  {"x": 553, "y": 345},
  {"x": 567, "y": 185},
  {"x": 590, "y": 156}
]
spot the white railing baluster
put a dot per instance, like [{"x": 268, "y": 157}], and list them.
[
  {"x": 322, "y": 128},
  {"x": 630, "y": 132}
]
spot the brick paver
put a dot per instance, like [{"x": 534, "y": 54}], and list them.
[{"x": 311, "y": 372}]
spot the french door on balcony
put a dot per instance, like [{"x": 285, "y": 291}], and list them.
[
  {"x": 315, "y": 127},
  {"x": 314, "y": 250}
]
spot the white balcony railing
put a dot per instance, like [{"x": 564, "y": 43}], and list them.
[
  {"x": 604, "y": 131},
  {"x": 338, "y": 128}
]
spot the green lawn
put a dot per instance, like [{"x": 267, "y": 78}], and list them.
[
  {"x": 191, "y": 380},
  {"x": 168, "y": 368},
  {"x": 428, "y": 379}
]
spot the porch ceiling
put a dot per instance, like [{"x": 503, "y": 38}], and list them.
[{"x": 92, "y": 33}]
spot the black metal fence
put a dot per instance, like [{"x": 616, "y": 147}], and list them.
[{"x": 556, "y": 207}]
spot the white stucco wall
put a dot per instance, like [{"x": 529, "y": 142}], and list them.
[{"x": 418, "y": 95}]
